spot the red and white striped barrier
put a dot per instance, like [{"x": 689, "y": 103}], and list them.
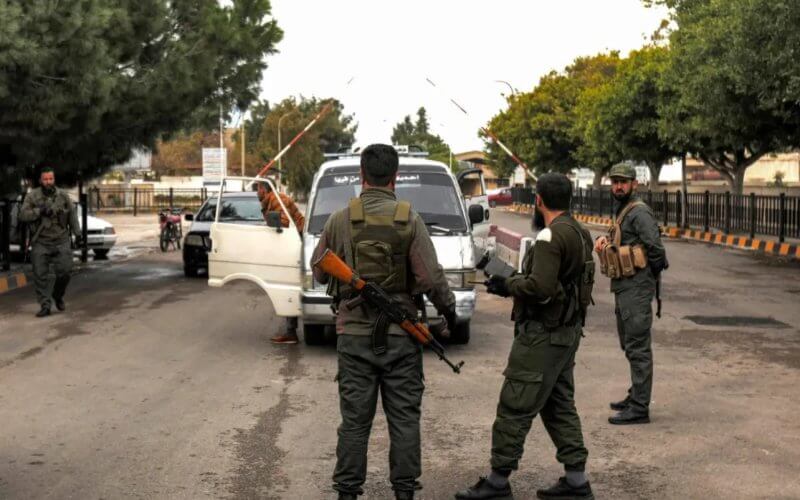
[{"x": 508, "y": 245}]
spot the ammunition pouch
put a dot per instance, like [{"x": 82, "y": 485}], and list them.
[{"x": 622, "y": 261}]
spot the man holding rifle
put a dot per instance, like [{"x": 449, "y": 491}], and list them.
[{"x": 387, "y": 244}]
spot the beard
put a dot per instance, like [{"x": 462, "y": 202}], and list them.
[
  {"x": 48, "y": 190},
  {"x": 622, "y": 197},
  {"x": 537, "y": 222}
]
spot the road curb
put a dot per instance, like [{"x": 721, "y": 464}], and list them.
[
  {"x": 769, "y": 247},
  {"x": 12, "y": 281}
]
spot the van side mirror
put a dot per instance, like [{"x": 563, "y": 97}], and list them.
[
  {"x": 189, "y": 217},
  {"x": 274, "y": 220},
  {"x": 475, "y": 214}
]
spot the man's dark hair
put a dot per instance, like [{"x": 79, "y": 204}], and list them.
[
  {"x": 379, "y": 164},
  {"x": 46, "y": 170},
  {"x": 555, "y": 190}
]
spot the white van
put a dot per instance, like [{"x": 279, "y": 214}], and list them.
[{"x": 279, "y": 261}]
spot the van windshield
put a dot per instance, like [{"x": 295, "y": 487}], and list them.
[{"x": 433, "y": 196}]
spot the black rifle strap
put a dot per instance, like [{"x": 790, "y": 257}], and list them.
[{"x": 658, "y": 296}]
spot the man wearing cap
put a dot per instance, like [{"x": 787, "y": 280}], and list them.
[{"x": 633, "y": 256}]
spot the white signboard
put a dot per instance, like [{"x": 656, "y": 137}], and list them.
[{"x": 214, "y": 165}]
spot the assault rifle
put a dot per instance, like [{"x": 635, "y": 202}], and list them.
[{"x": 376, "y": 297}]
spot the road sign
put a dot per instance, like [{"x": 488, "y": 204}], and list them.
[{"x": 214, "y": 165}]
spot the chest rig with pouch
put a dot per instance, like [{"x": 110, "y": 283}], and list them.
[
  {"x": 618, "y": 260},
  {"x": 378, "y": 249}
]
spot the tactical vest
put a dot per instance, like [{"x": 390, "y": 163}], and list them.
[
  {"x": 622, "y": 261},
  {"x": 379, "y": 247}
]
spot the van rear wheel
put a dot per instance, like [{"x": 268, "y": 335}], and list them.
[
  {"x": 460, "y": 334},
  {"x": 314, "y": 334}
]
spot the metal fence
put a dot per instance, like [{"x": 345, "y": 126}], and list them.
[
  {"x": 111, "y": 198},
  {"x": 730, "y": 213}
]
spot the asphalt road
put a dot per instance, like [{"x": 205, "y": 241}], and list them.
[{"x": 152, "y": 385}]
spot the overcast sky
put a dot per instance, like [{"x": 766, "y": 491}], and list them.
[{"x": 388, "y": 48}]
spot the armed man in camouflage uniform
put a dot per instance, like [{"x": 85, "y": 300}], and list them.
[
  {"x": 374, "y": 235},
  {"x": 52, "y": 215},
  {"x": 634, "y": 290},
  {"x": 550, "y": 299}
]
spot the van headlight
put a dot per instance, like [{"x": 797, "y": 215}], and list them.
[
  {"x": 194, "y": 240},
  {"x": 109, "y": 230}
]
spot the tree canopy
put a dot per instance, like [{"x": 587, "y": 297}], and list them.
[
  {"x": 418, "y": 133},
  {"x": 83, "y": 83}
]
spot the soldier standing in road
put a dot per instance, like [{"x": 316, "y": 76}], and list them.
[
  {"x": 52, "y": 215},
  {"x": 269, "y": 203},
  {"x": 633, "y": 256},
  {"x": 387, "y": 243},
  {"x": 550, "y": 300}
]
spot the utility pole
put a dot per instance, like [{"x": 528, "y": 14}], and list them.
[{"x": 242, "y": 148}]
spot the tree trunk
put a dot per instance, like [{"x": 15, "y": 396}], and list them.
[
  {"x": 598, "y": 179},
  {"x": 655, "y": 173},
  {"x": 737, "y": 186}
]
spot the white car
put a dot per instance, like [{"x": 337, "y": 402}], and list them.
[{"x": 278, "y": 260}]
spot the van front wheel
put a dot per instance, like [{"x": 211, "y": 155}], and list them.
[{"x": 460, "y": 334}]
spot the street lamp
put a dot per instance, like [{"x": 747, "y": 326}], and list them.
[
  {"x": 280, "y": 160},
  {"x": 513, "y": 91}
]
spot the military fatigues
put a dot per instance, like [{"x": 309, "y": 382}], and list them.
[
  {"x": 397, "y": 373},
  {"x": 539, "y": 374},
  {"x": 50, "y": 237},
  {"x": 633, "y": 301}
]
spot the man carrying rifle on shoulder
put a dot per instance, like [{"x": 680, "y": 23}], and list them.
[{"x": 387, "y": 244}]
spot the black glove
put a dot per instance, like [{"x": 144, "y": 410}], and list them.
[
  {"x": 450, "y": 317},
  {"x": 496, "y": 285}
]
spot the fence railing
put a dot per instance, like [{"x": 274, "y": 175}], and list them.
[
  {"x": 110, "y": 198},
  {"x": 730, "y": 213}
]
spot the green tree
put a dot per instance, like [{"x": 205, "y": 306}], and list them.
[
  {"x": 540, "y": 126},
  {"x": 418, "y": 133},
  {"x": 334, "y": 132},
  {"x": 619, "y": 120},
  {"x": 736, "y": 82},
  {"x": 83, "y": 83}
]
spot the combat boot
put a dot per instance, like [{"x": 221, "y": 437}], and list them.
[
  {"x": 403, "y": 495},
  {"x": 44, "y": 311},
  {"x": 620, "y": 405},
  {"x": 348, "y": 496},
  {"x": 484, "y": 490},
  {"x": 60, "y": 304},
  {"x": 563, "y": 490},
  {"x": 629, "y": 416}
]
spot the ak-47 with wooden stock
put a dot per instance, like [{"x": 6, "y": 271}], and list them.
[{"x": 377, "y": 298}]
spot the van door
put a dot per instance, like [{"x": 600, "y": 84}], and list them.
[
  {"x": 266, "y": 256},
  {"x": 473, "y": 188}
]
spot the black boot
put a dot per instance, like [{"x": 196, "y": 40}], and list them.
[
  {"x": 483, "y": 490},
  {"x": 562, "y": 489},
  {"x": 60, "y": 304},
  {"x": 403, "y": 495},
  {"x": 348, "y": 496},
  {"x": 620, "y": 405},
  {"x": 44, "y": 311},
  {"x": 629, "y": 416}
]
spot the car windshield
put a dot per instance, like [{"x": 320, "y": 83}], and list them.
[
  {"x": 432, "y": 195},
  {"x": 235, "y": 208}
]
